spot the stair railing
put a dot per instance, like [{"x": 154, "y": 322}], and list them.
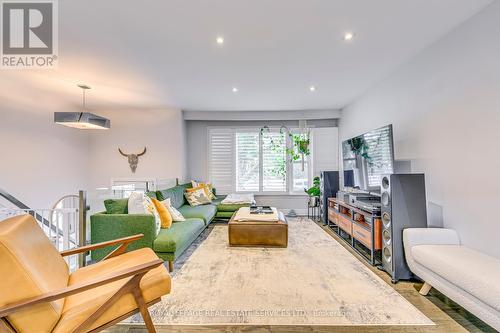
[{"x": 64, "y": 226}]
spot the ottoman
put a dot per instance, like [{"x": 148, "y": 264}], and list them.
[{"x": 258, "y": 233}]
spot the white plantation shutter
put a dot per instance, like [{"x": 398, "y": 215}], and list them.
[
  {"x": 325, "y": 154},
  {"x": 273, "y": 162},
  {"x": 247, "y": 161},
  {"x": 379, "y": 150},
  {"x": 221, "y": 159}
]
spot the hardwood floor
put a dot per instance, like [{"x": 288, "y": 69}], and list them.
[{"x": 447, "y": 315}]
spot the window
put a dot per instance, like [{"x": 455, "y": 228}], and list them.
[
  {"x": 274, "y": 162},
  {"x": 244, "y": 160},
  {"x": 247, "y": 161}
]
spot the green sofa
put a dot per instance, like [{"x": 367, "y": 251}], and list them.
[{"x": 170, "y": 243}]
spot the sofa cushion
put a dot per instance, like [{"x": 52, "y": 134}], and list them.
[
  {"x": 470, "y": 270},
  {"x": 176, "y": 195},
  {"x": 78, "y": 307},
  {"x": 178, "y": 236},
  {"x": 230, "y": 207},
  {"x": 116, "y": 206},
  {"x": 152, "y": 194},
  {"x": 219, "y": 199},
  {"x": 205, "y": 212}
]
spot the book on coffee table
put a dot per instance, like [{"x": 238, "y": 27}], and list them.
[{"x": 261, "y": 210}]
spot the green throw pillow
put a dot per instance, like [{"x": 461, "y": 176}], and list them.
[{"x": 116, "y": 206}]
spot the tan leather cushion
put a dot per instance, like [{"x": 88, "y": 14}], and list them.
[
  {"x": 79, "y": 307},
  {"x": 30, "y": 266}
]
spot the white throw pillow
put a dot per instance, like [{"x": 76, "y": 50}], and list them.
[
  {"x": 136, "y": 203},
  {"x": 139, "y": 203},
  {"x": 176, "y": 215}
]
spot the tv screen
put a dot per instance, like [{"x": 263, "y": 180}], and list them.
[{"x": 367, "y": 157}]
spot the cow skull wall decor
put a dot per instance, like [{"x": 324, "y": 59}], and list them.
[{"x": 133, "y": 159}]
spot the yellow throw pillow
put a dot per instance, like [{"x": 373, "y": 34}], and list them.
[{"x": 165, "y": 217}]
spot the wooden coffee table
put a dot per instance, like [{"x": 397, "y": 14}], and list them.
[{"x": 258, "y": 233}]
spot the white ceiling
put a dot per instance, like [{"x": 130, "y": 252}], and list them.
[{"x": 163, "y": 53}]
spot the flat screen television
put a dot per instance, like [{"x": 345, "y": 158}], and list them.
[{"x": 366, "y": 158}]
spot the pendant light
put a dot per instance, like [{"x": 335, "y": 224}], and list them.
[{"x": 82, "y": 120}]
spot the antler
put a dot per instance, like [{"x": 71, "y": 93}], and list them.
[
  {"x": 144, "y": 152},
  {"x": 126, "y": 155}
]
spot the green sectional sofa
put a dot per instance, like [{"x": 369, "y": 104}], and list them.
[{"x": 170, "y": 243}]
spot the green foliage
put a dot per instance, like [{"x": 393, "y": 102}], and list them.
[
  {"x": 314, "y": 190},
  {"x": 300, "y": 143}
]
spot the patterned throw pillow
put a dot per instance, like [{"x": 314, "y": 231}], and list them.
[
  {"x": 197, "y": 196},
  {"x": 176, "y": 215},
  {"x": 138, "y": 203},
  {"x": 209, "y": 189}
]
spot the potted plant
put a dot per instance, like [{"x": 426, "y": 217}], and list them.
[{"x": 314, "y": 193}]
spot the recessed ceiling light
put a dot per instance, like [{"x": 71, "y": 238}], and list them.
[
  {"x": 312, "y": 88},
  {"x": 220, "y": 40},
  {"x": 235, "y": 90},
  {"x": 349, "y": 35}
]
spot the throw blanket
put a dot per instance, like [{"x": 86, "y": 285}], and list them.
[
  {"x": 238, "y": 199},
  {"x": 243, "y": 214}
]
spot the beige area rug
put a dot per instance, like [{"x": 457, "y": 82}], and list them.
[{"x": 315, "y": 281}]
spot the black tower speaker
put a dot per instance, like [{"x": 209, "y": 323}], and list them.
[
  {"x": 403, "y": 206},
  {"x": 329, "y": 186}
]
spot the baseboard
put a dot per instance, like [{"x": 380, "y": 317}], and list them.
[{"x": 300, "y": 212}]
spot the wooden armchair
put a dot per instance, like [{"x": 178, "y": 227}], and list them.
[{"x": 39, "y": 295}]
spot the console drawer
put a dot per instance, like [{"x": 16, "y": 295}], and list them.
[
  {"x": 362, "y": 235},
  {"x": 344, "y": 224},
  {"x": 332, "y": 215}
]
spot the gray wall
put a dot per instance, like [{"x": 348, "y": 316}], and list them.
[{"x": 445, "y": 108}]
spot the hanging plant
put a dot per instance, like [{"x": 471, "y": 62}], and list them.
[{"x": 300, "y": 143}]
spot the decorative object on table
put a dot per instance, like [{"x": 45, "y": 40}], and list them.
[
  {"x": 133, "y": 159},
  {"x": 300, "y": 141},
  {"x": 261, "y": 210},
  {"x": 82, "y": 120}
]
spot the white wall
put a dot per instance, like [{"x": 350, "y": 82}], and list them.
[
  {"x": 445, "y": 108},
  {"x": 40, "y": 161},
  {"x": 161, "y": 131}
]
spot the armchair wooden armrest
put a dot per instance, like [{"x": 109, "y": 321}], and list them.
[
  {"x": 135, "y": 272},
  {"x": 125, "y": 242}
]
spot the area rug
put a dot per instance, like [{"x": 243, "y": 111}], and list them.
[{"x": 315, "y": 281}]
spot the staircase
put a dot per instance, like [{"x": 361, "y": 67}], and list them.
[{"x": 63, "y": 223}]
